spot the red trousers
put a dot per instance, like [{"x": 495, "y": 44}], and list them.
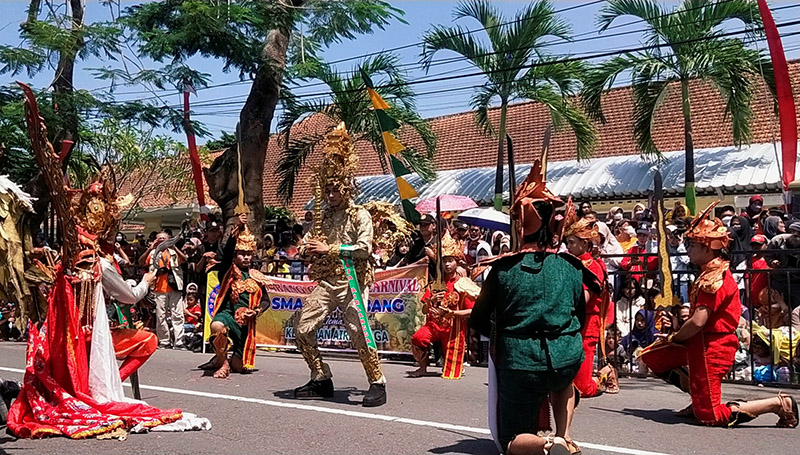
[
  {"x": 584, "y": 381},
  {"x": 429, "y": 334},
  {"x": 709, "y": 358},
  {"x": 133, "y": 347}
]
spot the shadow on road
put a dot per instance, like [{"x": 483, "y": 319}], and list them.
[
  {"x": 468, "y": 447},
  {"x": 339, "y": 396}
]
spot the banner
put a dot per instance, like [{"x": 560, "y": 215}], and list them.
[
  {"x": 212, "y": 287},
  {"x": 392, "y": 303}
]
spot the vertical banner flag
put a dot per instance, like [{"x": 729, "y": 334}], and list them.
[
  {"x": 783, "y": 88},
  {"x": 393, "y": 148},
  {"x": 197, "y": 173},
  {"x": 212, "y": 287}
]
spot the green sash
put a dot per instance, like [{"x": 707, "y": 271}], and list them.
[{"x": 346, "y": 256}]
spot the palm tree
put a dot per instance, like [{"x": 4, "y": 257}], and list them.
[
  {"x": 349, "y": 103},
  {"x": 516, "y": 65},
  {"x": 684, "y": 44}
]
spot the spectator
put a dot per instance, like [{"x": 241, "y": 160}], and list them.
[
  {"x": 8, "y": 328},
  {"x": 636, "y": 264},
  {"x": 642, "y": 335},
  {"x": 779, "y": 241},
  {"x": 631, "y": 301},
  {"x": 615, "y": 215},
  {"x": 497, "y": 238},
  {"x": 772, "y": 226},
  {"x": 758, "y": 280},
  {"x": 169, "y": 283},
  {"x": 626, "y": 235},
  {"x": 308, "y": 221},
  {"x": 753, "y": 209},
  {"x": 585, "y": 209},
  {"x": 505, "y": 244},
  {"x": 459, "y": 231},
  {"x": 212, "y": 251},
  {"x": 726, "y": 213},
  {"x": 474, "y": 239},
  {"x": 400, "y": 256},
  {"x": 638, "y": 212},
  {"x": 268, "y": 255},
  {"x": 679, "y": 262},
  {"x": 297, "y": 234},
  {"x": 611, "y": 247}
]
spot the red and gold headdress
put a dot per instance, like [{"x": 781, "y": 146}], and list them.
[
  {"x": 245, "y": 241},
  {"x": 532, "y": 190},
  {"x": 711, "y": 233},
  {"x": 452, "y": 247},
  {"x": 584, "y": 230}
]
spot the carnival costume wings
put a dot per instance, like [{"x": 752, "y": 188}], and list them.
[{"x": 72, "y": 385}]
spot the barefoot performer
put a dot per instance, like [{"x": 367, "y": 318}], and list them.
[
  {"x": 448, "y": 308},
  {"x": 581, "y": 237},
  {"x": 535, "y": 299},
  {"x": 707, "y": 342},
  {"x": 237, "y": 305},
  {"x": 339, "y": 246}
]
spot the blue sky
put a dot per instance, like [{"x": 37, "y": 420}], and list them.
[{"x": 420, "y": 15}]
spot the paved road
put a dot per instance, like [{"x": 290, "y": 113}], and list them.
[{"x": 254, "y": 414}]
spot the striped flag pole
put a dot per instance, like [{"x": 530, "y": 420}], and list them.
[{"x": 393, "y": 148}]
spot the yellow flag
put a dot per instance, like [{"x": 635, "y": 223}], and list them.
[
  {"x": 377, "y": 101},
  {"x": 406, "y": 191},
  {"x": 212, "y": 287},
  {"x": 393, "y": 146}
]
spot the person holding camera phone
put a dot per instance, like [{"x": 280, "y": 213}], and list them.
[{"x": 166, "y": 263}]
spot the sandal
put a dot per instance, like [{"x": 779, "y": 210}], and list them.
[
  {"x": 558, "y": 446},
  {"x": 210, "y": 365},
  {"x": 612, "y": 382},
  {"x": 573, "y": 448},
  {"x": 788, "y": 414}
]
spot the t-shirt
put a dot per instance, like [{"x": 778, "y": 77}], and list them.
[
  {"x": 195, "y": 311},
  {"x": 162, "y": 279}
]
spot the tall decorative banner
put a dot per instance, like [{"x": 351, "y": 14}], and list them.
[
  {"x": 197, "y": 173},
  {"x": 393, "y": 307},
  {"x": 665, "y": 299},
  {"x": 783, "y": 88},
  {"x": 212, "y": 287},
  {"x": 393, "y": 148}
]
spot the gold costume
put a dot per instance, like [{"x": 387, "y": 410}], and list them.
[{"x": 348, "y": 232}]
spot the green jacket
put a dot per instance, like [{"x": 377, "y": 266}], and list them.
[{"x": 535, "y": 301}]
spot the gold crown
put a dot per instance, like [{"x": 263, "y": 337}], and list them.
[
  {"x": 245, "y": 241},
  {"x": 711, "y": 233},
  {"x": 339, "y": 162},
  {"x": 452, "y": 247}
]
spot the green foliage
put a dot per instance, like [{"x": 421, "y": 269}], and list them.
[
  {"x": 516, "y": 64},
  {"x": 349, "y": 103},
  {"x": 225, "y": 141},
  {"x": 273, "y": 213},
  {"x": 694, "y": 50}
]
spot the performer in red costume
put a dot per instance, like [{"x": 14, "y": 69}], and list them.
[
  {"x": 447, "y": 314},
  {"x": 581, "y": 237},
  {"x": 706, "y": 343},
  {"x": 72, "y": 385}
]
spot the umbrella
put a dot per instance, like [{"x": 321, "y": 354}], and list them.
[
  {"x": 488, "y": 218},
  {"x": 450, "y": 203}
]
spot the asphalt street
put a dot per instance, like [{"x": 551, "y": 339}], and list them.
[{"x": 255, "y": 414}]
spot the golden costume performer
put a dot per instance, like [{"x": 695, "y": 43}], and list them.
[{"x": 340, "y": 246}]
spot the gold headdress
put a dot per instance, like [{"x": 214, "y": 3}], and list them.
[
  {"x": 390, "y": 229},
  {"x": 711, "y": 233},
  {"x": 584, "y": 230},
  {"x": 452, "y": 247},
  {"x": 97, "y": 209},
  {"x": 245, "y": 241},
  {"x": 339, "y": 163}
]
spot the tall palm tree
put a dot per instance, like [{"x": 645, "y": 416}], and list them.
[
  {"x": 685, "y": 44},
  {"x": 349, "y": 103},
  {"x": 516, "y": 65}
]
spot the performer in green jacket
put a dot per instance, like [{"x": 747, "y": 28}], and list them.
[{"x": 531, "y": 305}]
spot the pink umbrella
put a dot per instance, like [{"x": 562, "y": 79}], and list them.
[{"x": 449, "y": 203}]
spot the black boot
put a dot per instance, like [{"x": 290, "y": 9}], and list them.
[
  {"x": 375, "y": 396},
  {"x": 315, "y": 389},
  {"x": 9, "y": 390}
]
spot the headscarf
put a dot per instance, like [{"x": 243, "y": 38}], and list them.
[
  {"x": 610, "y": 246},
  {"x": 780, "y": 345},
  {"x": 644, "y": 337},
  {"x": 741, "y": 241},
  {"x": 770, "y": 227}
]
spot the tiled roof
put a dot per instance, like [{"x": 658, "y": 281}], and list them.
[
  {"x": 458, "y": 136},
  {"x": 157, "y": 193}
]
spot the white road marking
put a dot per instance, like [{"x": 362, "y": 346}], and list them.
[{"x": 363, "y": 415}]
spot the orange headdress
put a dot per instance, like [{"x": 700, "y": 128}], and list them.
[
  {"x": 584, "y": 230},
  {"x": 711, "y": 233},
  {"x": 245, "y": 241},
  {"x": 532, "y": 190}
]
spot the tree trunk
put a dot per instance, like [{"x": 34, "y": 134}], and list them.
[
  {"x": 63, "y": 88},
  {"x": 501, "y": 138},
  {"x": 691, "y": 197},
  {"x": 254, "y": 124}
]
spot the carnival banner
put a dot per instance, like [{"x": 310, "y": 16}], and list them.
[{"x": 392, "y": 303}]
